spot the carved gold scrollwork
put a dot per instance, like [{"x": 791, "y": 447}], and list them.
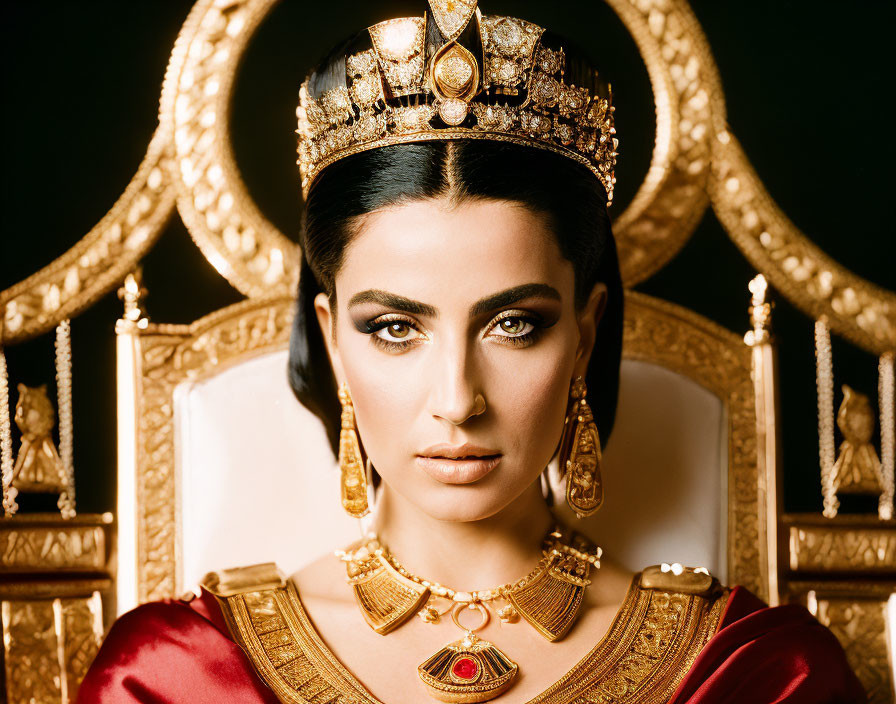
[
  {"x": 843, "y": 548},
  {"x": 31, "y": 659},
  {"x": 71, "y": 283},
  {"x": 172, "y": 354},
  {"x": 860, "y": 626},
  {"x": 695, "y": 159},
  {"x": 48, "y": 644},
  {"x": 213, "y": 201},
  {"x": 672, "y": 199},
  {"x": 858, "y": 310}
]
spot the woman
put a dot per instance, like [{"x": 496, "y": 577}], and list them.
[{"x": 458, "y": 330}]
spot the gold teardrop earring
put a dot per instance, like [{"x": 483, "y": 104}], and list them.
[
  {"x": 580, "y": 456},
  {"x": 353, "y": 476}
]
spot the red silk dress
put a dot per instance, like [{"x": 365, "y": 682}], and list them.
[{"x": 175, "y": 651}]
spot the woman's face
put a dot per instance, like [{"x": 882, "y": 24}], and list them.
[{"x": 457, "y": 335}]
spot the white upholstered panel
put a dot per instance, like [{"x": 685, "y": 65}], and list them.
[
  {"x": 256, "y": 477},
  {"x": 665, "y": 471}
]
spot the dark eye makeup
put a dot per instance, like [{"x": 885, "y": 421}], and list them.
[{"x": 395, "y": 332}]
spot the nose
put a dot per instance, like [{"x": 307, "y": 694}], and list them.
[{"x": 456, "y": 397}]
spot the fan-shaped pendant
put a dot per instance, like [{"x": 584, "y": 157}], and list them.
[{"x": 467, "y": 671}]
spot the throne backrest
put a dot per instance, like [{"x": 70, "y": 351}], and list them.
[{"x": 221, "y": 466}]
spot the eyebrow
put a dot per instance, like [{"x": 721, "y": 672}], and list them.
[{"x": 489, "y": 303}]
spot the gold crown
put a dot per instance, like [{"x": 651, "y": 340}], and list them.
[{"x": 512, "y": 90}]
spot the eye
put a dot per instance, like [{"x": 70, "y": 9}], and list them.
[
  {"x": 517, "y": 328},
  {"x": 397, "y": 331},
  {"x": 514, "y": 326},
  {"x": 394, "y": 334}
]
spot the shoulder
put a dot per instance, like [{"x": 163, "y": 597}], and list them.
[
  {"x": 170, "y": 623},
  {"x": 170, "y": 650},
  {"x": 323, "y": 581},
  {"x": 769, "y": 654},
  {"x": 755, "y": 653}
]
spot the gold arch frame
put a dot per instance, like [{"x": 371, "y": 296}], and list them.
[{"x": 696, "y": 160}]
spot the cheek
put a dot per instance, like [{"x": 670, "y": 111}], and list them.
[
  {"x": 385, "y": 394},
  {"x": 528, "y": 390}
]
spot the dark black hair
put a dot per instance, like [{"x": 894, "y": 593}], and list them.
[{"x": 565, "y": 192}]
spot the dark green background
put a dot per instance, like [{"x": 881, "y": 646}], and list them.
[{"x": 809, "y": 90}]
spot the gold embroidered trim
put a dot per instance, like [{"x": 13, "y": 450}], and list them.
[{"x": 648, "y": 649}]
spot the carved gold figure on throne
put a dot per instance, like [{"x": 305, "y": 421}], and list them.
[
  {"x": 857, "y": 469},
  {"x": 38, "y": 467}
]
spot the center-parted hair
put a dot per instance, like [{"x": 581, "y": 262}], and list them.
[{"x": 564, "y": 192}]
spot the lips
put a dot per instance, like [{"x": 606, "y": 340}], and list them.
[
  {"x": 458, "y": 464},
  {"x": 455, "y": 452}
]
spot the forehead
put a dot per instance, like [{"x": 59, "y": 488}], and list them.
[{"x": 430, "y": 248}]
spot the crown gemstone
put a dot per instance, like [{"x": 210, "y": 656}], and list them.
[
  {"x": 465, "y": 668},
  {"x": 546, "y": 90},
  {"x": 453, "y": 111},
  {"x": 508, "y": 35},
  {"x": 506, "y": 71},
  {"x": 455, "y": 72},
  {"x": 452, "y": 15},
  {"x": 361, "y": 64},
  {"x": 398, "y": 39}
]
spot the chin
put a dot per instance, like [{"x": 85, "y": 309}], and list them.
[{"x": 463, "y": 504}]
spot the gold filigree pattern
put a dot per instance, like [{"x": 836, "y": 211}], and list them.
[
  {"x": 29, "y": 543},
  {"x": 170, "y": 354},
  {"x": 100, "y": 259},
  {"x": 837, "y": 546},
  {"x": 650, "y": 646},
  {"x": 858, "y": 310},
  {"x": 715, "y": 358},
  {"x": 400, "y": 49},
  {"x": 213, "y": 200},
  {"x": 860, "y": 626},
  {"x": 82, "y": 626},
  {"x": 30, "y": 653},
  {"x": 508, "y": 44}
]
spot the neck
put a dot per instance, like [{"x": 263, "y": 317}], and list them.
[{"x": 470, "y": 555}]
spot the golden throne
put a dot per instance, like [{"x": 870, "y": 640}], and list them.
[
  {"x": 220, "y": 465},
  {"x": 208, "y": 427}
]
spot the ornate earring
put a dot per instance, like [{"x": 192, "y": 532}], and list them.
[
  {"x": 353, "y": 478},
  {"x": 580, "y": 456}
]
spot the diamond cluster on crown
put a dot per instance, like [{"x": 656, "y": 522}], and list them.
[{"x": 392, "y": 97}]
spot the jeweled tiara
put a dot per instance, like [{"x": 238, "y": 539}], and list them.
[{"x": 410, "y": 87}]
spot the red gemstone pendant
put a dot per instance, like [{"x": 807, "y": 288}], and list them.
[
  {"x": 468, "y": 671},
  {"x": 465, "y": 669}
]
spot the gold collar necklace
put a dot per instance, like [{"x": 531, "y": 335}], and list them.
[{"x": 473, "y": 669}]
